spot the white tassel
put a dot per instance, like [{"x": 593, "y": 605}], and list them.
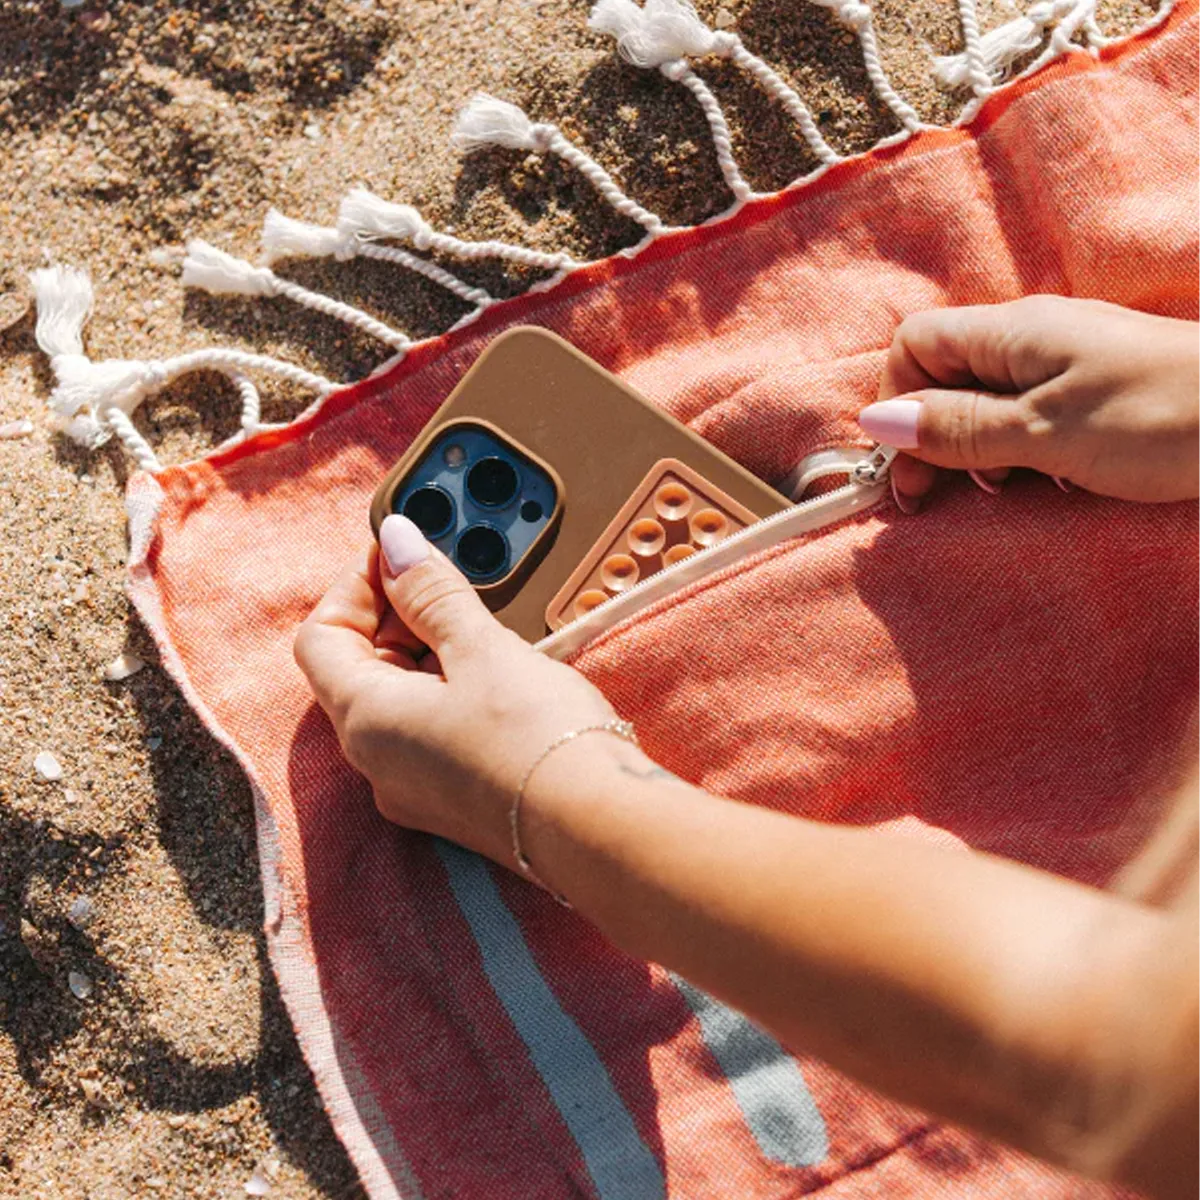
[
  {"x": 283, "y": 237},
  {"x": 94, "y": 400},
  {"x": 64, "y": 300},
  {"x": 64, "y": 304},
  {"x": 851, "y": 13},
  {"x": 662, "y": 34},
  {"x": 487, "y": 121},
  {"x": 98, "y": 386},
  {"x": 367, "y": 216},
  {"x": 363, "y": 213},
  {"x": 660, "y": 31},
  {"x": 1003, "y": 46},
  {"x": 124, "y": 383},
  {"x": 222, "y": 274},
  {"x": 214, "y": 271}
]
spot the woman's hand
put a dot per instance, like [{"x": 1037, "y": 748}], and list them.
[
  {"x": 443, "y": 737},
  {"x": 1082, "y": 390}
]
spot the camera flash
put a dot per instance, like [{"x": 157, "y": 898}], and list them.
[{"x": 454, "y": 455}]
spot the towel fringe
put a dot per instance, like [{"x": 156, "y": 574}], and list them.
[
  {"x": 663, "y": 34},
  {"x": 221, "y": 274},
  {"x": 858, "y": 17},
  {"x": 487, "y": 121},
  {"x": 92, "y": 401},
  {"x": 988, "y": 59},
  {"x": 95, "y": 400},
  {"x": 283, "y": 237},
  {"x": 368, "y": 216}
]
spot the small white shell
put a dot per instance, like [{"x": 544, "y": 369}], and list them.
[
  {"x": 48, "y": 767},
  {"x": 122, "y": 667},
  {"x": 257, "y": 1185},
  {"x": 80, "y": 912},
  {"x": 80, "y": 985}
]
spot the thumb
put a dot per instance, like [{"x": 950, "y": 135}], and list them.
[
  {"x": 967, "y": 430},
  {"x": 430, "y": 595}
]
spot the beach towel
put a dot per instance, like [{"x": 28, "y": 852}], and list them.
[{"x": 1004, "y": 674}]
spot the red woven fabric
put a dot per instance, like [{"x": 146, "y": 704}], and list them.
[{"x": 1013, "y": 670}]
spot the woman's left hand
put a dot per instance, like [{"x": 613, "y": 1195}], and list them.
[{"x": 445, "y": 736}]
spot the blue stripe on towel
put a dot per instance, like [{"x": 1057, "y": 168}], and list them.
[
  {"x": 766, "y": 1082},
  {"x": 619, "y": 1162}
]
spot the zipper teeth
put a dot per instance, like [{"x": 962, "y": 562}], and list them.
[{"x": 864, "y": 476}]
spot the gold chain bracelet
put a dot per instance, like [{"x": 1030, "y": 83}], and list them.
[{"x": 622, "y": 729}]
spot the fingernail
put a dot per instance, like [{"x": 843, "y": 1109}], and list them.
[
  {"x": 402, "y": 543},
  {"x": 992, "y": 489},
  {"x": 908, "y": 505},
  {"x": 893, "y": 422},
  {"x": 1064, "y": 485}
]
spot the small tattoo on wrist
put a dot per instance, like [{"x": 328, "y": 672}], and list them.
[{"x": 651, "y": 772}]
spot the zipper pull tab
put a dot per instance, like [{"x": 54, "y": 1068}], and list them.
[{"x": 874, "y": 468}]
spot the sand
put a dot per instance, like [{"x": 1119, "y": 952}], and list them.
[{"x": 171, "y": 1069}]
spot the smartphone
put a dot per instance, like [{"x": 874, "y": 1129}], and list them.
[{"x": 526, "y": 474}]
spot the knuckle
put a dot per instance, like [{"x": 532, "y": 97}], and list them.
[
  {"x": 960, "y": 431},
  {"x": 302, "y": 644},
  {"x": 912, "y": 328},
  {"x": 1039, "y": 307},
  {"x": 431, "y": 597},
  {"x": 382, "y": 804},
  {"x": 357, "y": 733}
]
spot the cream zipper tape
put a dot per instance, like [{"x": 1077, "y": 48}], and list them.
[{"x": 868, "y": 475}]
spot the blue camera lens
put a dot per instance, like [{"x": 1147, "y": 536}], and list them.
[
  {"x": 481, "y": 552},
  {"x": 493, "y": 482},
  {"x": 430, "y": 509}
]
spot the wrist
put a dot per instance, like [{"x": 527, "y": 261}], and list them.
[
  {"x": 567, "y": 781},
  {"x": 589, "y": 811}
]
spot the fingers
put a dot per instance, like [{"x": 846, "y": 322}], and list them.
[
  {"x": 337, "y": 641},
  {"x": 912, "y": 480},
  {"x": 968, "y": 430},
  {"x": 997, "y": 347},
  {"x": 970, "y": 388},
  {"x": 393, "y": 634},
  {"x": 431, "y": 596},
  {"x": 991, "y": 480}
]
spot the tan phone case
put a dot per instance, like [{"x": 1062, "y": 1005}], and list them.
[{"x": 595, "y": 436}]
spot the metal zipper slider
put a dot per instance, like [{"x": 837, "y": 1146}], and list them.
[{"x": 874, "y": 468}]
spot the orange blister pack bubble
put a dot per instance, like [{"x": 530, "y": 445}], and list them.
[{"x": 673, "y": 513}]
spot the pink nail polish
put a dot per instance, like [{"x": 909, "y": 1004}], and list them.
[
  {"x": 909, "y": 505},
  {"x": 402, "y": 543},
  {"x": 985, "y": 484},
  {"x": 893, "y": 422}
]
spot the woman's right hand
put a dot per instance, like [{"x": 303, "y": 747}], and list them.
[{"x": 1102, "y": 396}]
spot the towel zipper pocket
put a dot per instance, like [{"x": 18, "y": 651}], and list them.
[{"x": 866, "y": 479}]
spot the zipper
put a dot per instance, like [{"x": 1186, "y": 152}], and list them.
[{"x": 865, "y": 486}]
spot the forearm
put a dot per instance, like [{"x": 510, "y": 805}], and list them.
[{"x": 950, "y": 981}]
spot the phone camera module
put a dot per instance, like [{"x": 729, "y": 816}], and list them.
[
  {"x": 481, "y": 551},
  {"x": 431, "y": 510},
  {"x": 493, "y": 482}
]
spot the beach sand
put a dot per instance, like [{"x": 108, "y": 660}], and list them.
[{"x": 126, "y": 128}]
